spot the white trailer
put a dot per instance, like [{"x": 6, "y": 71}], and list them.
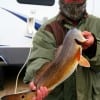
[{"x": 20, "y": 19}]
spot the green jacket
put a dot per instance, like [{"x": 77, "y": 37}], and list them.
[{"x": 84, "y": 83}]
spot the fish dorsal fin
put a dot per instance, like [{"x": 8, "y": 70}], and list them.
[{"x": 84, "y": 62}]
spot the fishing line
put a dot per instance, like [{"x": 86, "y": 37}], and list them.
[
  {"x": 16, "y": 83},
  {"x": 31, "y": 31}
]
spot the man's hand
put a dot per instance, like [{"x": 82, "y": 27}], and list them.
[
  {"x": 41, "y": 93},
  {"x": 90, "y": 39}
]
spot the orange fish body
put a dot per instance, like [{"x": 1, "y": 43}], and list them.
[{"x": 64, "y": 63}]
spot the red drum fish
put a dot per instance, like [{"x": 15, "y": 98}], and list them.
[{"x": 69, "y": 55}]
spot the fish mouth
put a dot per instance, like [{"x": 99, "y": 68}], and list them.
[{"x": 80, "y": 42}]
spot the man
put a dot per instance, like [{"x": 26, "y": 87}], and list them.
[{"x": 83, "y": 84}]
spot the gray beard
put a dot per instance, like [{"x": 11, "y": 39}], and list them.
[
  {"x": 73, "y": 12},
  {"x": 72, "y": 16}
]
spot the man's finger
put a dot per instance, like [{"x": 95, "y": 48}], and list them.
[
  {"x": 32, "y": 86},
  {"x": 39, "y": 95}
]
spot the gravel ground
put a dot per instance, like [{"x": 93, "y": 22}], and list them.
[{"x": 10, "y": 80}]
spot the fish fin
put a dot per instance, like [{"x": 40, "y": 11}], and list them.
[{"x": 84, "y": 62}]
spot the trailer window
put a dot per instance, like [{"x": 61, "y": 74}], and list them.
[{"x": 37, "y": 2}]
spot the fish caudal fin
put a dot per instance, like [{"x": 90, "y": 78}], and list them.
[{"x": 84, "y": 62}]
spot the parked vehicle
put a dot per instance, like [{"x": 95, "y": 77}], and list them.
[{"x": 20, "y": 19}]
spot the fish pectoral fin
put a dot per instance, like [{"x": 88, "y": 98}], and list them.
[{"x": 84, "y": 62}]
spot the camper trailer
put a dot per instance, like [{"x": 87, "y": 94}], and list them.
[{"x": 19, "y": 21}]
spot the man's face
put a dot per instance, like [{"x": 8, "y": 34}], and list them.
[{"x": 73, "y": 11}]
